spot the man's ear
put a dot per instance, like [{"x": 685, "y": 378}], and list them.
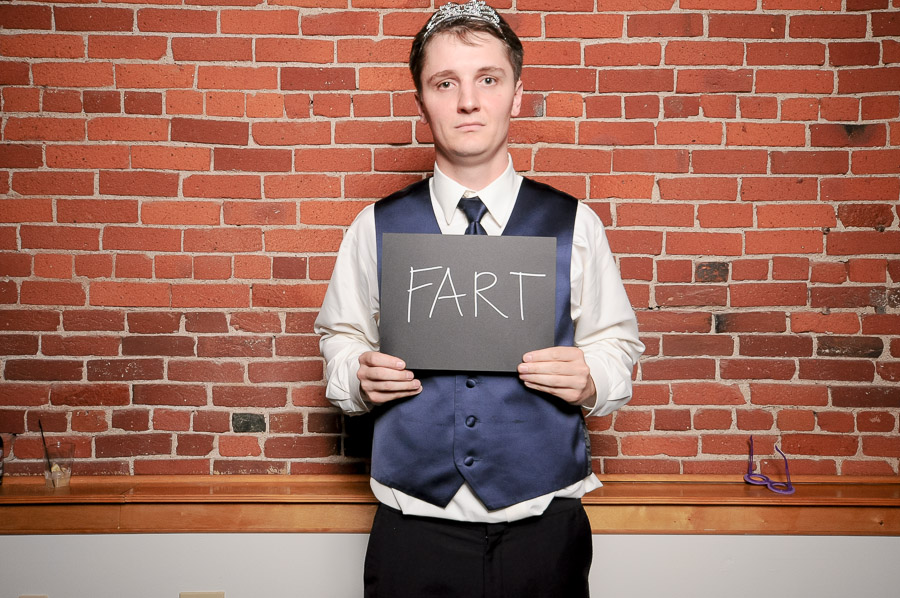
[
  {"x": 517, "y": 99},
  {"x": 423, "y": 118}
]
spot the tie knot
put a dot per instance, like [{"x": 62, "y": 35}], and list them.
[{"x": 474, "y": 209}]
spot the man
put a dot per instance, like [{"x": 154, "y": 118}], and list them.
[{"x": 479, "y": 476}]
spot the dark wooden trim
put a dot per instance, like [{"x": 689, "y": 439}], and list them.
[{"x": 627, "y": 505}]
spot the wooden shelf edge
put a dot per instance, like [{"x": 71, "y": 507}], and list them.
[{"x": 345, "y": 504}]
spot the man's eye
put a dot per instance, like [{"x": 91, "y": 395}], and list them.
[
  {"x": 489, "y": 80},
  {"x": 444, "y": 85}
]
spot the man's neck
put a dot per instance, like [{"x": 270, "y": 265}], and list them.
[{"x": 475, "y": 176}]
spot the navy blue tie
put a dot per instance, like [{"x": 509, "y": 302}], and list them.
[{"x": 474, "y": 210}]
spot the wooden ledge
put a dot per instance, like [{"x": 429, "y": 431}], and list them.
[{"x": 625, "y": 504}]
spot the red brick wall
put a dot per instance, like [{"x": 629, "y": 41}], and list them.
[{"x": 177, "y": 178}]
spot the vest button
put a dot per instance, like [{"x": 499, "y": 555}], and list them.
[
  {"x": 470, "y": 421},
  {"x": 469, "y": 461},
  {"x": 471, "y": 383}
]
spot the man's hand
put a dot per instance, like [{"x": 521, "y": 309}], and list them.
[
  {"x": 384, "y": 378},
  {"x": 560, "y": 371}
]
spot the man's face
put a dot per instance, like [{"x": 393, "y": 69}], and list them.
[{"x": 468, "y": 96}]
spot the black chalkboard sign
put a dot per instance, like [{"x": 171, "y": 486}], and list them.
[{"x": 472, "y": 303}]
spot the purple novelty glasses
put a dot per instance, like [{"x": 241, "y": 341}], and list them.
[{"x": 763, "y": 480}]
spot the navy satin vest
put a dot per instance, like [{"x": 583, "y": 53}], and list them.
[{"x": 508, "y": 442}]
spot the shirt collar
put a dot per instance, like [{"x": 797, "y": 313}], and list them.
[{"x": 499, "y": 196}]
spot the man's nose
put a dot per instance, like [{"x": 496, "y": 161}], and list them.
[{"x": 468, "y": 98}]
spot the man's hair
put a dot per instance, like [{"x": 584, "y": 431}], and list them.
[{"x": 463, "y": 28}]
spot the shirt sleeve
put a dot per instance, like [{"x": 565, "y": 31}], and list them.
[
  {"x": 348, "y": 321},
  {"x": 605, "y": 325}
]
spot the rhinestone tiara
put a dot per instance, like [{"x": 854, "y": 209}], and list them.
[{"x": 473, "y": 9}]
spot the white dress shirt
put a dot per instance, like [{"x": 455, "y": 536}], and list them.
[{"x": 605, "y": 326}]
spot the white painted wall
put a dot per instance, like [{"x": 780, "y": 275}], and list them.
[{"x": 330, "y": 566}]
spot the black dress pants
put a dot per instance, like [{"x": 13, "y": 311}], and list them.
[{"x": 540, "y": 557}]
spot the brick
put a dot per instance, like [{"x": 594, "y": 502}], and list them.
[
  {"x": 641, "y": 242},
  {"x": 306, "y": 185},
  {"x": 144, "y": 183},
  {"x": 93, "y": 18},
  {"x": 759, "y": 107},
  {"x": 885, "y": 24},
  {"x": 665, "y": 25},
  {"x": 284, "y": 371},
  {"x": 403, "y": 159},
  {"x": 712, "y": 419},
  {"x": 622, "y": 186},
  {"x": 854, "y": 53},
  {"x": 633, "y": 421},
  {"x": 531, "y": 132},
  {"x": 650, "y": 160},
  {"x": 584, "y": 26},
  {"x": 252, "y": 160},
  {"x": 654, "y": 215},
  {"x": 798, "y": 215},
  {"x": 68, "y": 74},
  {"x": 44, "y": 129},
  {"x": 43, "y": 369},
  {"x": 181, "y": 395},
  {"x": 861, "y": 188},
  {"x": 848, "y": 370},
  {"x": 688, "y": 133},
  {"x": 697, "y": 53},
  {"x": 828, "y": 26},
  {"x": 810, "y": 162},
  {"x": 42, "y": 46},
  {"x": 372, "y": 132},
  {"x": 567, "y": 160},
  {"x": 714, "y": 81},
  {"x": 852, "y": 81},
  {"x": 867, "y": 397},
  {"x": 37, "y": 292},
  {"x": 245, "y": 396},
  {"x": 794, "y": 81},
  {"x": 284, "y": 296},
  {"x": 753, "y": 26},
  {"x": 757, "y": 369},
  {"x": 25, "y": 210},
  {"x": 689, "y": 295},
  {"x": 779, "y": 189},
  {"x": 127, "y": 46},
  {"x": 867, "y": 270},
  {"x": 237, "y": 77},
  {"x": 876, "y": 161},
  {"x": 317, "y": 78},
  {"x": 828, "y": 135},
  {"x": 641, "y": 107},
  {"x": 864, "y": 242},
  {"x": 820, "y": 444},
  {"x": 754, "y": 419},
  {"x": 786, "y": 53},
  {"x": 847, "y": 346},
  {"x": 636, "y": 80},
  {"x": 561, "y": 79},
  {"x": 674, "y": 271},
  {"x": 776, "y": 346},
  {"x": 222, "y": 187},
  {"x": 26, "y": 17},
  {"x": 729, "y": 161},
  {"x": 725, "y": 216},
  {"x": 683, "y": 345},
  {"x": 210, "y": 131},
  {"x": 127, "y": 129},
  {"x": 875, "y": 421},
  {"x": 90, "y": 395},
  {"x": 706, "y": 393}
]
